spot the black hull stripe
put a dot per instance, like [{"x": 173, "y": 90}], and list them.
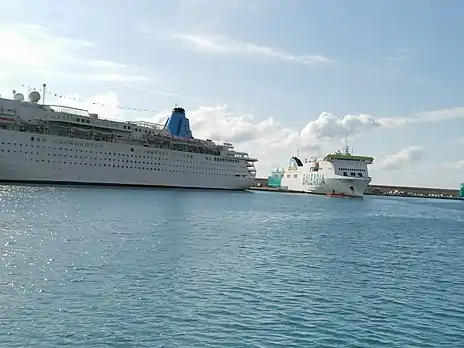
[{"x": 109, "y": 185}]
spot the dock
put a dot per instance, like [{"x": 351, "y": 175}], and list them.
[{"x": 379, "y": 190}]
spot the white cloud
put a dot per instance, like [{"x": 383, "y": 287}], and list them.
[
  {"x": 34, "y": 49},
  {"x": 106, "y": 105},
  {"x": 328, "y": 126},
  {"x": 31, "y": 47},
  {"x": 434, "y": 116},
  {"x": 221, "y": 45},
  {"x": 220, "y": 123},
  {"x": 441, "y": 115},
  {"x": 269, "y": 140},
  {"x": 458, "y": 165},
  {"x": 403, "y": 158}
]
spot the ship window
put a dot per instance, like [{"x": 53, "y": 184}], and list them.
[{"x": 345, "y": 174}]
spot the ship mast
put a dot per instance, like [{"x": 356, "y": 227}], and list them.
[
  {"x": 347, "y": 148},
  {"x": 44, "y": 86}
]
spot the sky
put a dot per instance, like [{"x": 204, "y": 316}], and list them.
[{"x": 274, "y": 77}]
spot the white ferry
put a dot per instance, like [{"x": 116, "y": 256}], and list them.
[
  {"x": 336, "y": 174},
  {"x": 52, "y": 144}
]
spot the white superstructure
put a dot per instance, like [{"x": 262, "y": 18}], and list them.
[
  {"x": 338, "y": 174},
  {"x": 59, "y": 144}
]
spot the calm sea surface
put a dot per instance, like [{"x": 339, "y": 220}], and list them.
[{"x": 176, "y": 268}]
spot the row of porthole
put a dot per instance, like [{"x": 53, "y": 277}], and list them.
[
  {"x": 352, "y": 169},
  {"x": 131, "y": 161},
  {"x": 163, "y": 148},
  {"x": 228, "y": 160},
  {"x": 129, "y": 167},
  {"x": 147, "y": 157},
  {"x": 132, "y": 167},
  {"x": 179, "y": 151}
]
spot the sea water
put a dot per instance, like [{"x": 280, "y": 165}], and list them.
[{"x": 90, "y": 267}]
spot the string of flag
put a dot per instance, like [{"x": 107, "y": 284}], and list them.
[{"x": 97, "y": 103}]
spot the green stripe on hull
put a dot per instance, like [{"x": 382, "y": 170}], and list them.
[
  {"x": 348, "y": 157},
  {"x": 273, "y": 181}
]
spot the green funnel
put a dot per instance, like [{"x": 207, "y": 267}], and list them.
[{"x": 461, "y": 192}]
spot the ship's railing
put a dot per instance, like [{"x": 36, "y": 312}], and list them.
[
  {"x": 237, "y": 154},
  {"x": 105, "y": 122},
  {"x": 242, "y": 155},
  {"x": 152, "y": 125},
  {"x": 68, "y": 110},
  {"x": 336, "y": 156}
]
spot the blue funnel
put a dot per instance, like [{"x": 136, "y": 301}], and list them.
[{"x": 178, "y": 125}]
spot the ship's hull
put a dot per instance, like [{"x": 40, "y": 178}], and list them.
[
  {"x": 35, "y": 158},
  {"x": 343, "y": 186},
  {"x": 54, "y": 183},
  {"x": 333, "y": 186}
]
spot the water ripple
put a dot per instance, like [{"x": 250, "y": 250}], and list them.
[{"x": 173, "y": 268}]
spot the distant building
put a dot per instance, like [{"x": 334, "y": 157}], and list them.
[{"x": 275, "y": 178}]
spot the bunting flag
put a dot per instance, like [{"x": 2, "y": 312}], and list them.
[{"x": 64, "y": 97}]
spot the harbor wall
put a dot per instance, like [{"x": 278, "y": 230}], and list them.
[
  {"x": 425, "y": 191},
  {"x": 394, "y": 190}
]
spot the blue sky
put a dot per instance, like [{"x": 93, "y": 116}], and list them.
[{"x": 261, "y": 72}]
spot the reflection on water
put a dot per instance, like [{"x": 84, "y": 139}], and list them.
[{"x": 179, "y": 268}]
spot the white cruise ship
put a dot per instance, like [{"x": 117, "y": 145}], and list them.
[
  {"x": 336, "y": 174},
  {"x": 62, "y": 145}
]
